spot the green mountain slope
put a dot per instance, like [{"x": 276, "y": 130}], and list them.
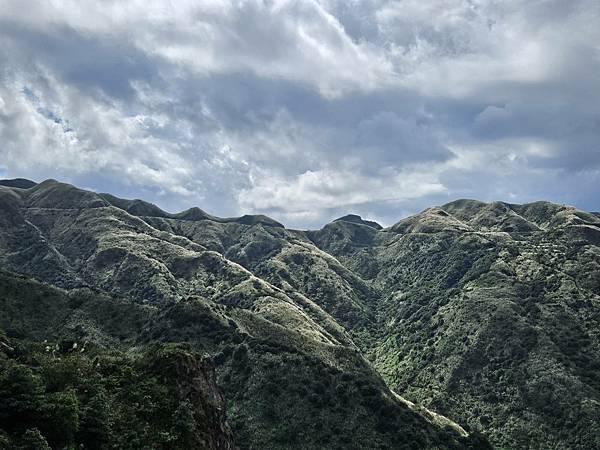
[
  {"x": 485, "y": 313},
  {"x": 489, "y": 313},
  {"x": 156, "y": 293}
]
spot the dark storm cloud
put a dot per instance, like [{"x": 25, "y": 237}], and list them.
[{"x": 305, "y": 109}]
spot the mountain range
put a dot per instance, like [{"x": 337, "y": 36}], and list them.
[{"x": 469, "y": 325}]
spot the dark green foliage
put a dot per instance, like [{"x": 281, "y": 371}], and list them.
[
  {"x": 33, "y": 439},
  {"x": 111, "y": 399},
  {"x": 497, "y": 331},
  {"x": 101, "y": 400},
  {"x": 298, "y": 392}
]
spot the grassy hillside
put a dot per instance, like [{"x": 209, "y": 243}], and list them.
[
  {"x": 485, "y": 313},
  {"x": 489, "y": 313}
]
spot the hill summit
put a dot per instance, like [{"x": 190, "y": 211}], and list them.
[{"x": 353, "y": 218}]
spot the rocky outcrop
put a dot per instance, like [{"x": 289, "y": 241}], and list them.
[{"x": 196, "y": 386}]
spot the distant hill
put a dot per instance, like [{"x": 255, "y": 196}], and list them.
[
  {"x": 467, "y": 324},
  {"x": 353, "y": 218},
  {"x": 20, "y": 183},
  {"x": 141, "y": 208}
]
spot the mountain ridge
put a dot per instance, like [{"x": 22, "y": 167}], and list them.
[
  {"x": 460, "y": 208},
  {"x": 449, "y": 308},
  {"x": 76, "y": 240}
]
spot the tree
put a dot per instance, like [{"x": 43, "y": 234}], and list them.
[{"x": 34, "y": 440}]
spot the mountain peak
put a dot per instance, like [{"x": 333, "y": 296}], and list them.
[{"x": 355, "y": 218}]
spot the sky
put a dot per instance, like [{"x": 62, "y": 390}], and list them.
[{"x": 305, "y": 110}]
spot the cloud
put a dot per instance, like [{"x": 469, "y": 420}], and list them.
[
  {"x": 299, "y": 41},
  {"x": 305, "y": 109},
  {"x": 55, "y": 129},
  {"x": 309, "y": 194}
]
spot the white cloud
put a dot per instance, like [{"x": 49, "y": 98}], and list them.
[
  {"x": 315, "y": 192},
  {"x": 288, "y": 39},
  {"x": 303, "y": 108},
  {"x": 62, "y": 129}
]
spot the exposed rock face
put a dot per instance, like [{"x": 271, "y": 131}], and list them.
[
  {"x": 196, "y": 383},
  {"x": 485, "y": 313}
]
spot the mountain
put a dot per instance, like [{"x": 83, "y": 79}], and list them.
[
  {"x": 489, "y": 314},
  {"x": 346, "y": 337},
  {"x": 353, "y": 218},
  {"x": 141, "y": 208},
  {"x": 130, "y": 287},
  {"x": 65, "y": 377},
  {"x": 20, "y": 183}
]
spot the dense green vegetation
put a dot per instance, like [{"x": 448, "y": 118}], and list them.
[
  {"x": 485, "y": 313},
  {"x": 54, "y": 395},
  {"x": 499, "y": 331},
  {"x": 275, "y": 382}
]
